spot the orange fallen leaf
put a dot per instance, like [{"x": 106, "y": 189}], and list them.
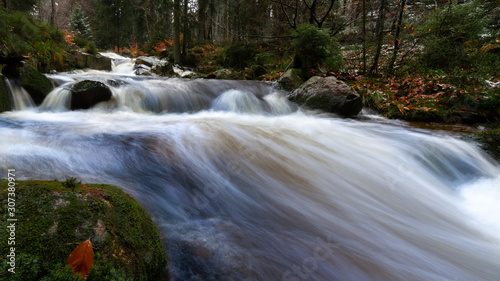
[{"x": 82, "y": 258}]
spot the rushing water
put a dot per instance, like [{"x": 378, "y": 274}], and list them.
[{"x": 246, "y": 186}]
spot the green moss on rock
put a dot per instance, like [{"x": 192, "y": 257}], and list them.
[
  {"x": 53, "y": 220},
  {"x": 37, "y": 85},
  {"x": 5, "y": 100}
]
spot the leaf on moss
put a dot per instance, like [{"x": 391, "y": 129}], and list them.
[{"x": 82, "y": 258}]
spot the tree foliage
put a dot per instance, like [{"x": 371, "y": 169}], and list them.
[
  {"x": 79, "y": 23},
  {"x": 315, "y": 48}
]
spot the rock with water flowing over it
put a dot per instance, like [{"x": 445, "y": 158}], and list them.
[
  {"x": 87, "y": 93},
  {"x": 28, "y": 77},
  {"x": 328, "y": 94},
  {"x": 290, "y": 80}
]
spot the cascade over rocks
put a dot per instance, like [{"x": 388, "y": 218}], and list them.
[
  {"x": 87, "y": 93},
  {"x": 28, "y": 77},
  {"x": 328, "y": 94}
]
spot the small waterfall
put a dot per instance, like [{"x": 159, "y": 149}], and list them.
[
  {"x": 57, "y": 100},
  {"x": 20, "y": 97}
]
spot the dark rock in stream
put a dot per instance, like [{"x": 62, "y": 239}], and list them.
[
  {"x": 328, "y": 94},
  {"x": 87, "y": 93}
]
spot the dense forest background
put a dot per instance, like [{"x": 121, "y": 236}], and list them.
[
  {"x": 444, "y": 34},
  {"x": 428, "y": 60}
]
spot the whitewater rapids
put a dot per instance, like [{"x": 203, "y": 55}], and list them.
[{"x": 247, "y": 187}]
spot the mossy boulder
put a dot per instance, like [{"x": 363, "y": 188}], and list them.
[
  {"x": 88, "y": 93},
  {"x": 34, "y": 82},
  {"x": 53, "y": 219},
  {"x": 290, "y": 80},
  {"x": 5, "y": 100},
  {"x": 328, "y": 94}
]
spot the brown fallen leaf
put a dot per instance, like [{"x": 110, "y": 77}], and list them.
[{"x": 82, "y": 258}]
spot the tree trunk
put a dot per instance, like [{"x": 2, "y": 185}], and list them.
[
  {"x": 396, "y": 38},
  {"x": 312, "y": 12},
  {"x": 202, "y": 19},
  {"x": 364, "y": 36},
  {"x": 177, "y": 32},
  {"x": 380, "y": 37},
  {"x": 185, "y": 27},
  {"x": 53, "y": 12}
]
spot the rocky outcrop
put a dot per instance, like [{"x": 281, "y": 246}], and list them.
[
  {"x": 166, "y": 69},
  {"x": 57, "y": 216},
  {"x": 28, "y": 77},
  {"x": 84, "y": 60},
  {"x": 328, "y": 94},
  {"x": 290, "y": 80},
  {"x": 87, "y": 93}
]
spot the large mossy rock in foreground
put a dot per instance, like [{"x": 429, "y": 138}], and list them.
[
  {"x": 52, "y": 220},
  {"x": 87, "y": 93},
  {"x": 5, "y": 100},
  {"x": 328, "y": 94}
]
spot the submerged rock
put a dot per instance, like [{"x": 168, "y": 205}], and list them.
[
  {"x": 290, "y": 80},
  {"x": 87, "y": 93},
  {"x": 53, "y": 218},
  {"x": 328, "y": 94}
]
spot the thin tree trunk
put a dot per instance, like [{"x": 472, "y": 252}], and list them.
[
  {"x": 364, "y": 36},
  {"x": 380, "y": 37},
  {"x": 53, "y": 12},
  {"x": 177, "y": 31},
  {"x": 202, "y": 19},
  {"x": 396, "y": 38},
  {"x": 184, "y": 27},
  {"x": 312, "y": 12}
]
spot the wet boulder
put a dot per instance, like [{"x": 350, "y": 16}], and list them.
[
  {"x": 328, "y": 94},
  {"x": 87, "y": 93},
  {"x": 290, "y": 80}
]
